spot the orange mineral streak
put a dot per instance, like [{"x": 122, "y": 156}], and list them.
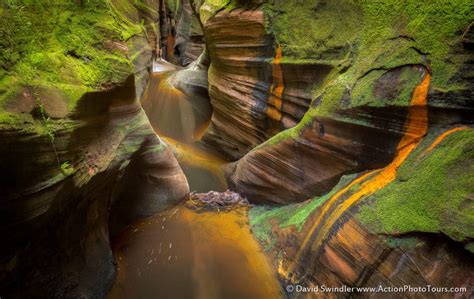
[
  {"x": 416, "y": 127},
  {"x": 276, "y": 90},
  {"x": 442, "y": 136},
  {"x": 170, "y": 40}
]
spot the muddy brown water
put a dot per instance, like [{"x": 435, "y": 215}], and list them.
[{"x": 182, "y": 252}]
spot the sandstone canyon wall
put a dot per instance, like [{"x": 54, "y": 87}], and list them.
[
  {"x": 348, "y": 124},
  {"x": 75, "y": 142},
  {"x": 361, "y": 111}
]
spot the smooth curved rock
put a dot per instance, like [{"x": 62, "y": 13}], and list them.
[
  {"x": 67, "y": 151},
  {"x": 357, "y": 111},
  {"x": 311, "y": 158},
  {"x": 253, "y": 92},
  {"x": 62, "y": 218}
]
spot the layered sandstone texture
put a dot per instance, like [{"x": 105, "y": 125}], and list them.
[
  {"x": 75, "y": 142},
  {"x": 359, "y": 115},
  {"x": 365, "y": 68},
  {"x": 251, "y": 85}
]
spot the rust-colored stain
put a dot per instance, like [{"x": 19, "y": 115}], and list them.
[
  {"x": 276, "y": 90},
  {"x": 442, "y": 137},
  {"x": 338, "y": 264},
  {"x": 170, "y": 40},
  {"x": 416, "y": 127}
]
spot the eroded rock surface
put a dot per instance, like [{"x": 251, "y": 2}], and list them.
[
  {"x": 75, "y": 146},
  {"x": 254, "y": 93}
]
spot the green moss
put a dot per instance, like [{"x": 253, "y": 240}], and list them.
[
  {"x": 433, "y": 192},
  {"x": 291, "y": 133},
  {"x": 67, "y": 45},
  {"x": 210, "y": 7},
  {"x": 364, "y": 92},
  {"x": 263, "y": 217},
  {"x": 66, "y": 168},
  {"x": 362, "y": 39},
  {"x": 7, "y": 118},
  {"x": 309, "y": 30},
  {"x": 470, "y": 247},
  {"x": 434, "y": 26}
]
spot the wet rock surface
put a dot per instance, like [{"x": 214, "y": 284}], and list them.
[
  {"x": 76, "y": 259},
  {"x": 213, "y": 200},
  {"x": 67, "y": 162},
  {"x": 347, "y": 123}
]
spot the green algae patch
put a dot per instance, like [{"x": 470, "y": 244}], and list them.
[
  {"x": 366, "y": 41},
  {"x": 210, "y": 8},
  {"x": 434, "y": 26},
  {"x": 71, "y": 46},
  {"x": 381, "y": 88},
  {"x": 470, "y": 247},
  {"x": 432, "y": 193},
  {"x": 262, "y": 218},
  {"x": 314, "y": 29}
]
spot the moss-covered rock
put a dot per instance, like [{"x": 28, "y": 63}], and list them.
[
  {"x": 72, "y": 46},
  {"x": 262, "y": 218},
  {"x": 374, "y": 38},
  {"x": 433, "y": 192}
]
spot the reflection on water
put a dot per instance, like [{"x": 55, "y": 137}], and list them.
[
  {"x": 181, "y": 115},
  {"x": 181, "y": 119},
  {"x": 203, "y": 169},
  {"x": 183, "y": 253},
  {"x": 169, "y": 110}
]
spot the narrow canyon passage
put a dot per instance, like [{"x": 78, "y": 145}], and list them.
[
  {"x": 236, "y": 149},
  {"x": 188, "y": 252}
]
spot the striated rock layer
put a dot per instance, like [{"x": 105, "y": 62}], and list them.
[
  {"x": 189, "y": 42},
  {"x": 359, "y": 234},
  {"x": 80, "y": 158},
  {"x": 253, "y": 92},
  {"x": 375, "y": 96},
  {"x": 359, "y": 100},
  {"x": 62, "y": 217}
]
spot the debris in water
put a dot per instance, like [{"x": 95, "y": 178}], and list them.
[
  {"x": 217, "y": 200},
  {"x": 171, "y": 245}
]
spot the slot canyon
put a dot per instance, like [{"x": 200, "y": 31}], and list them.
[{"x": 237, "y": 149}]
